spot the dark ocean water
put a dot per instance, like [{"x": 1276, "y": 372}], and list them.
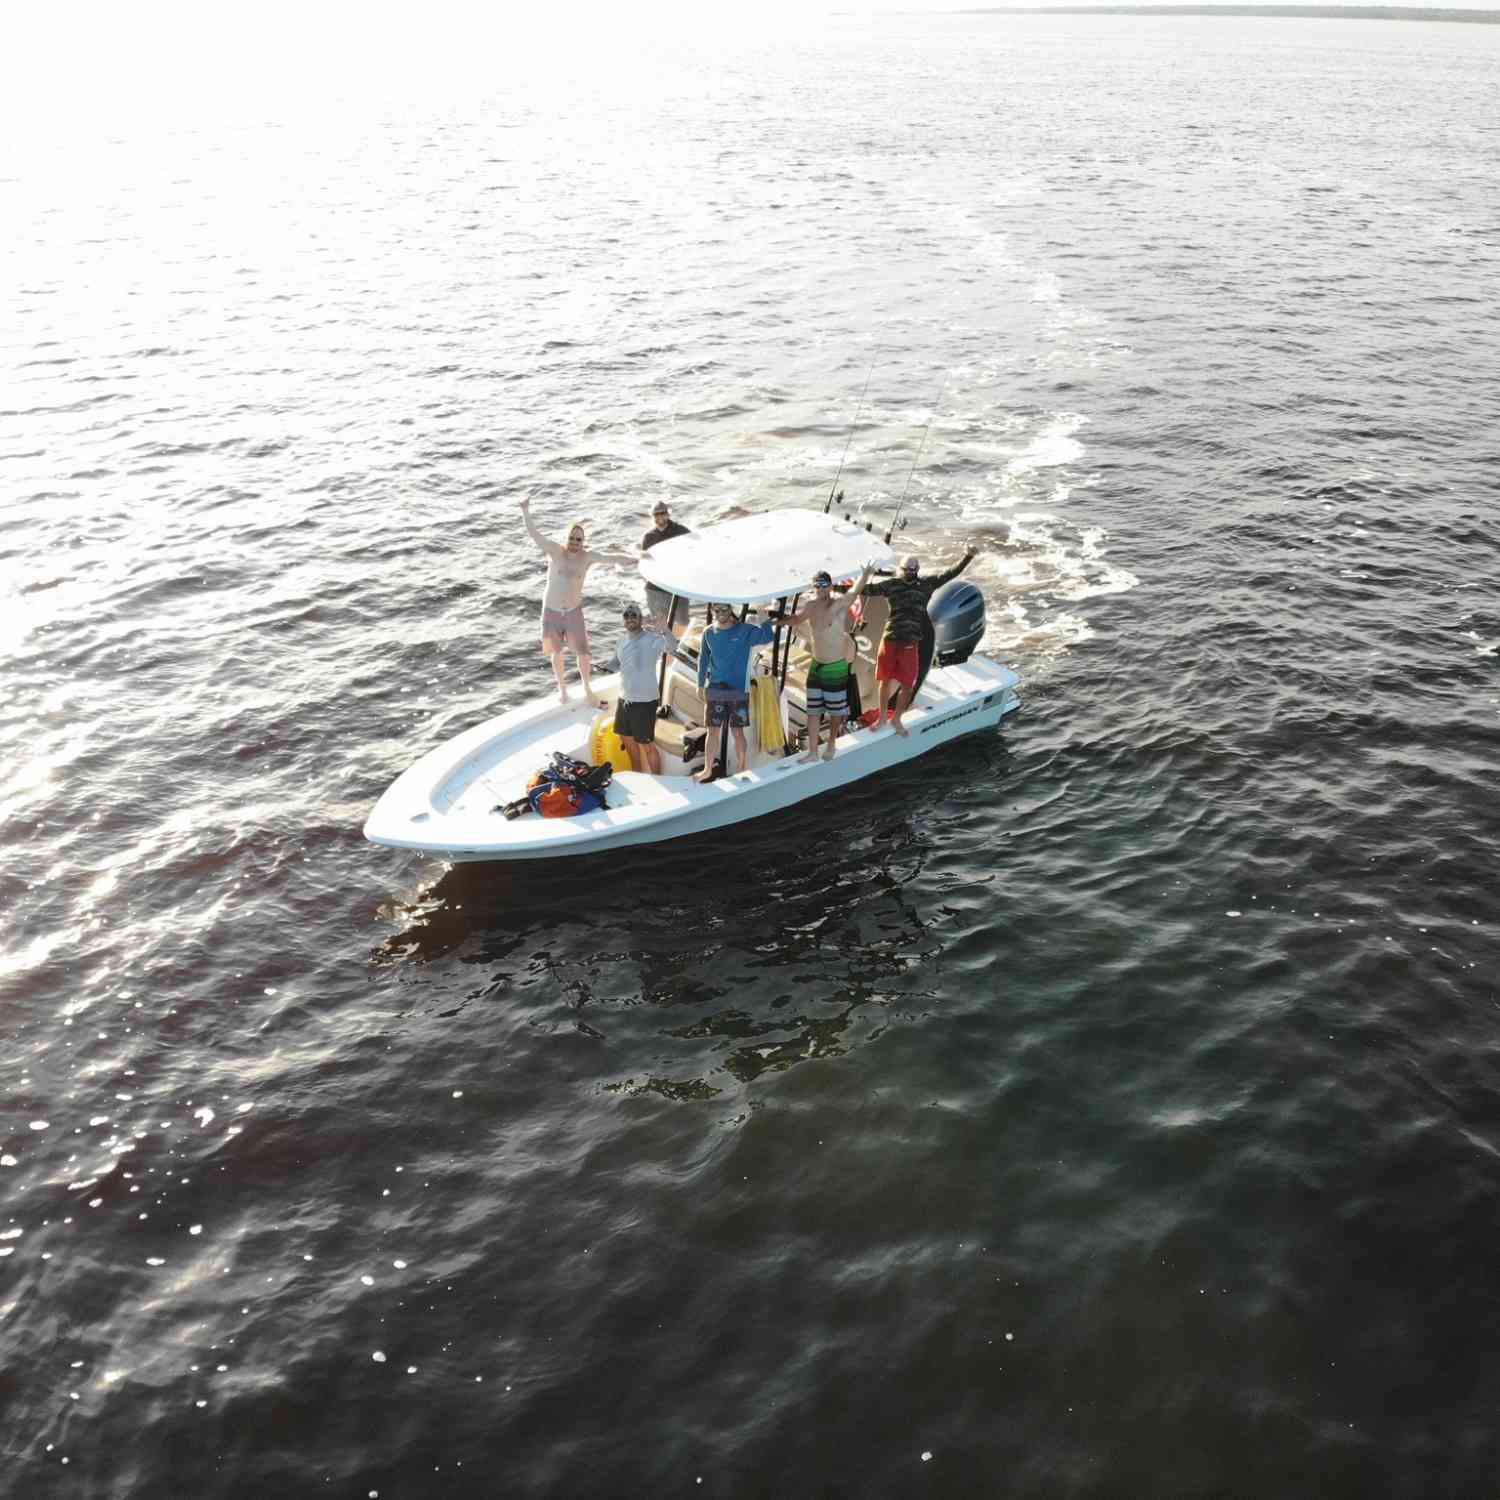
[{"x": 1109, "y": 1106}]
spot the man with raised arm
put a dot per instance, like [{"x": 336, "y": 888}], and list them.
[
  {"x": 562, "y": 604},
  {"x": 827, "y": 621},
  {"x": 637, "y": 656},
  {"x": 724, "y": 672},
  {"x": 900, "y": 653}
]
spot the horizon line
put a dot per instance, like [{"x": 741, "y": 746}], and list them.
[{"x": 1354, "y": 12}]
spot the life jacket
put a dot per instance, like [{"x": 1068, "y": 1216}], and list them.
[
  {"x": 568, "y": 787},
  {"x": 556, "y": 799}
]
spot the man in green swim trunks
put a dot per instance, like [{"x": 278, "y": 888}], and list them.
[{"x": 827, "y": 621}]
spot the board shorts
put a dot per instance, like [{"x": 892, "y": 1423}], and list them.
[
  {"x": 659, "y": 601},
  {"x": 564, "y": 627},
  {"x": 728, "y": 706},
  {"x": 828, "y": 688},
  {"x": 900, "y": 661},
  {"x": 636, "y": 721}
]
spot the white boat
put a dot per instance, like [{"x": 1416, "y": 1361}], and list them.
[{"x": 450, "y": 803}]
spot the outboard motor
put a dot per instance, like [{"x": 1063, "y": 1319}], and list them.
[{"x": 957, "y": 611}]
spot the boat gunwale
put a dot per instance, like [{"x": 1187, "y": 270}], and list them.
[{"x": 598, "y": 831}]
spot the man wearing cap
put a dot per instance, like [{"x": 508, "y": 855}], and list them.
[
  {"x": 900, "y": 655},
  {"x": 724, "y": 671},
  {"x": 663, "y": 529},
  {"x": 640, "y": 649},
  {"x": 827, "y": 621}
]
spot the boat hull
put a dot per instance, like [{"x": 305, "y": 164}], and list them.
[{"x": 447, "y": 804}]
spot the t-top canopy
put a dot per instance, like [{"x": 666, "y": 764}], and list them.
[{"x": 762, "y": 557}]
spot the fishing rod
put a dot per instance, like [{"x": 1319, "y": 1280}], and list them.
[
  {"x": 858, "y": 410},
  {"x": 896, "y": 521}
]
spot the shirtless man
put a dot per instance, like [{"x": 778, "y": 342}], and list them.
[
  {"x": 827, "y": 621},
  {"x": 562, "y": 604}
]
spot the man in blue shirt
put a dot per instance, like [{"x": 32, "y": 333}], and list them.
[{"x": 724, "y": 672}]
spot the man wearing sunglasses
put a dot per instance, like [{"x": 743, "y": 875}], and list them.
[
  {"x": 663, "y": 529},
  {"x": 900, "y": 646},
  {"x": 562, "y": 605},
  {"x": 827, "y": 621},
  {"x": 724, "y": 679}
]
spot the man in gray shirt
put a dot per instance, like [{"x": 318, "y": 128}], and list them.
[{"x": 638, "y": 655}]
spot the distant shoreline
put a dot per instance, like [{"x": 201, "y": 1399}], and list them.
[{"x": 1306, "y": 12}]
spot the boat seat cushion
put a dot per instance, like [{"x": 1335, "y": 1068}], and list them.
[
  {"x": 683, "y": 697},
  {"x": 669, "y": 736}
]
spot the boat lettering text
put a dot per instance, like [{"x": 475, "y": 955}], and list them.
[{"x": 948, "y": 719}]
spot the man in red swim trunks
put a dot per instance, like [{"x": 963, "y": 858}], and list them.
[{"x": 900, "y": 654}]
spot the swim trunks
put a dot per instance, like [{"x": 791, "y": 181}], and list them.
[
  {"x": 659, "y": 602},
  {"x": 899, "y": 662},
  {"x": 561, "y": 626},
  {"x": 636, "y": 721},
  {"x": 828, "y": 688},
  {"x": 727, "y": 706}
]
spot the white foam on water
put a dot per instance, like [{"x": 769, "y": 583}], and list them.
[
  {"x": 1046, "y": 288},
  {"x": 1050, "y": 448},
  {"x": 653, "y": 463},
  {"x": 1107, "y": 577},
  {"x": 1043, "y": 639}
]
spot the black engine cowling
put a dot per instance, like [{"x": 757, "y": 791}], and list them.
[{"x": 957, "y": 611}]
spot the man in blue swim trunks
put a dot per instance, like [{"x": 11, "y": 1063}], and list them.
[{"x": 724, "y": 678}]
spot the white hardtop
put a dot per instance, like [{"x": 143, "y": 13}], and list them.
[{"x": 763, "y": 557}]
